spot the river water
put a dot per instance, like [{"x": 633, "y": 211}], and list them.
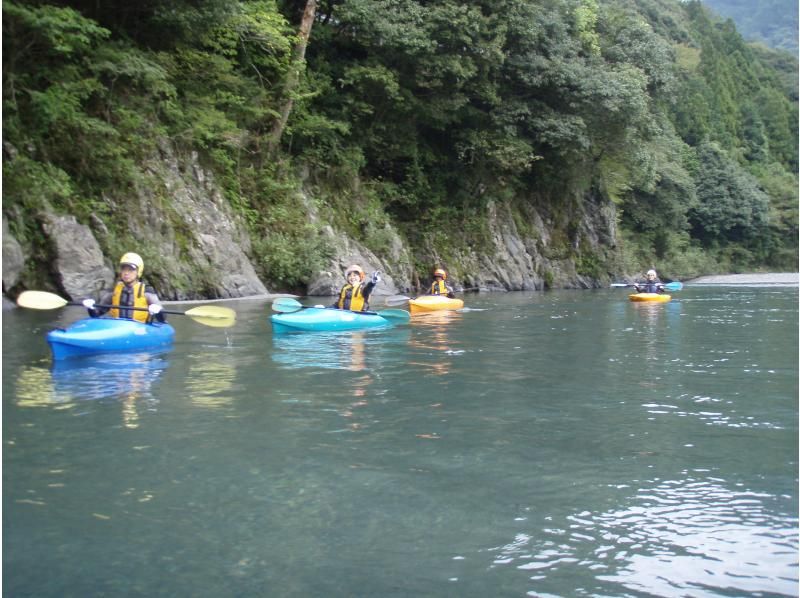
[{"x": 565, "y": 443}]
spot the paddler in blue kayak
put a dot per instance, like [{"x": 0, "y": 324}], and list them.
[
  {"x": 651, "y": 285},
  {"x": 128, "y": 292},
  {"x": 439, "y": 285},
  {"x": 355, "y": 294}
]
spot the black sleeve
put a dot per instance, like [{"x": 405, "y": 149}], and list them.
[
  {"x": 105, "y": 299},
  {"x": 368, "y": 288}
]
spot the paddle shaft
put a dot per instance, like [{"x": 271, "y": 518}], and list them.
[
  {"x": 668, "y": 286},
  {"x": 163, "y": 311}
]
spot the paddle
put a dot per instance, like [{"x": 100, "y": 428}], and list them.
[
  {"x": 396, "y": 300},
  {"x": 287, "y": 305},
  {"x": 669, "y": 286},
  {"x": 209, "y": 315}
]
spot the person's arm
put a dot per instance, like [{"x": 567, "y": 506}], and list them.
[
  {"x": 450, "y": 293},
  {"x": 95, "y": 312},
  {"x": 370, "y": 286},
  {"x": 153, "y": 304},
  {"x": 338, "y": 297}
]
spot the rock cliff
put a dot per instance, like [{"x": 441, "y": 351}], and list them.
[{"x": 195, "y": 245}]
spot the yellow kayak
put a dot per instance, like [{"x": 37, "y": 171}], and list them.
[
  {"x": 426, "y": 303},
  {"x": 655, "y": 297}
]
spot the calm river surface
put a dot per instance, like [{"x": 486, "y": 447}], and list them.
[{"x": 565, "y": 443}]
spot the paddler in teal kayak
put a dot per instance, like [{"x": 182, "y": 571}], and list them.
[
  {"x": 128, "y": 292},
  {"x": 651, "y": 285},
  {"x": 355, "y": 294},
  {"x": 439, "y": 286}
]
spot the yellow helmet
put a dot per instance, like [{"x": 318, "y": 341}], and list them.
[
  {"x": 355, "y": 268},
  {"x": 133, "y": 259},
  {"x": 440, "y": 272}
]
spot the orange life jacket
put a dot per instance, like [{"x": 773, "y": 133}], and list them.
[
  {"x": 439, "y": 287},
  {"x": 139, "y": 300},
  {"x": 351, "y": 298}
]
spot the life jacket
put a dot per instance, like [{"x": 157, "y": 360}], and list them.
[
  {"x": 129, "y": 297},
  {"x": 352, "y": 298},
  {"x": 651, "y": 286},
  {"x": 439, "y": 287}
]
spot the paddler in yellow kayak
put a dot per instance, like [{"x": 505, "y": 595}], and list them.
[
  {"x": 651, "y": 285},
  {"x": 128, "y": 292},
  {"x": 439, "y": 285},
  {"x": 355, "y": 294}
]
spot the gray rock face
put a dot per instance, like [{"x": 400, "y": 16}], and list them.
[
  {"x": 13, "y": 258},
  {"x": 347, "y": 252},
  {"x": 79, "y": 264},
  {"x": 196, "y": 246},
  {"x": 521, "y": 260},
  {"x": 194, "y": 232}
]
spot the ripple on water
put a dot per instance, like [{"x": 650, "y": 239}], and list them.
[
  {"x": 713, "y": 411},
  {"x": 684, "y": 537}
]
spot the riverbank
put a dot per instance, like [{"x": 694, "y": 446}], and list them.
[{"x": 769, "y": 278}]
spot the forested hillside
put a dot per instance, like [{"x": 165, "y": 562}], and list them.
[
  {"x": 772, "y": 22},
  {"x": 410, "y": 115}
]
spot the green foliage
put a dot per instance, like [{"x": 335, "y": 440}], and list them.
[
  {"x": 418, "y": 115},
  {"x": 730, "y": 205},
  {"x": 586, "y": 24},
  {"x": 32, "y": 185}
]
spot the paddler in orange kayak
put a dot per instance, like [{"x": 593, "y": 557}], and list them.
[
  {"x": 439, "y": 285},
  {"x": 651, "y": 285}
]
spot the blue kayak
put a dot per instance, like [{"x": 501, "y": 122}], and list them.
[
  {"x": 325, "y": 319},
  {"x": 101, "y": 335}
]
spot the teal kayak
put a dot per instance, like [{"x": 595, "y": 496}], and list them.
[
  {"x": 326, "y": 319},
  {"x": 102, "y": 335}
]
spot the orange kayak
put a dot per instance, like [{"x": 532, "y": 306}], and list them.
[
  {"x": 655, "y": 297},
  {"x": 426, "y": 303}
]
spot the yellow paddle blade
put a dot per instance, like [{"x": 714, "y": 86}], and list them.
[
  {"x": 214, "y": 322},
  {"x": 40, "y": 300},
  {"x": 212, "y": 312}
]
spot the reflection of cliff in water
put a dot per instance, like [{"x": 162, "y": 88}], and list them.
[
  {"x": 343, "y": 350},
  {"x": 113, "y": 376}
]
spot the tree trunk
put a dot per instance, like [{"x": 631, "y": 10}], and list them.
[{"x": 293, "y": 76}]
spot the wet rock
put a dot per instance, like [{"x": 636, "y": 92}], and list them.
[
  {"x": 187, "y": 223},
  {"x": 79, "y": 264},
  {"x": 13, "y": 258}
]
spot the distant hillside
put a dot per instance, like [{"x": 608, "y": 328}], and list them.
[{"x": 773, "y": 22}]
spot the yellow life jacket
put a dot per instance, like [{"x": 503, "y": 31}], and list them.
[
  {"x": 139, "y": 300},
  {"x": 351, "y": 298},
  {"x": 438, "y": 288}
]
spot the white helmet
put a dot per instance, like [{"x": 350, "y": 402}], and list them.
[
  {"x": 132, "y": 259},
  {"x": 651, "y": 273}
]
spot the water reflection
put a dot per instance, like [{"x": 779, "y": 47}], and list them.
[
  {"x": 432, "y": 338},
  {"x": 342, "y": 350},
  {"x": 112, "y": 376},
  {"x": 210, "y": 380}
]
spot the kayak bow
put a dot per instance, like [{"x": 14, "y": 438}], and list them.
[{"x": 100, "y": 335}]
